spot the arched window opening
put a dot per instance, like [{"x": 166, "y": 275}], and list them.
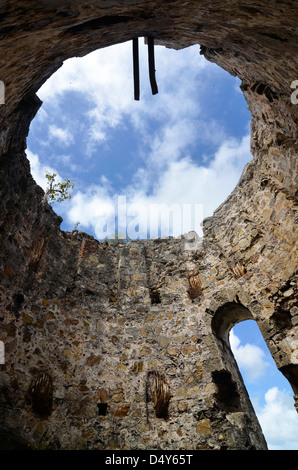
[
  {"x": 244, "y": 351},
  {"x": 148, "y": 168},
  {"x": 269, "y": 391}
]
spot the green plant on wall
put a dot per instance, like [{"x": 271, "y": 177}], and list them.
[{"x": 57, "y": 192}]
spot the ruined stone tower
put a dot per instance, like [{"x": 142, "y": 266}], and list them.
[{"x": 126, "y": 346}]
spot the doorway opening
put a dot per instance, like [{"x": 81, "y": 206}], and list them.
[
  {"x": 269, "y": 391},
  {"x": 139, "y": 166}
]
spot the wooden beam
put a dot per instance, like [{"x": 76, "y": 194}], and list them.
[
  {"x": 136, "y": 68},
  {"x": 151, "y": 61}
]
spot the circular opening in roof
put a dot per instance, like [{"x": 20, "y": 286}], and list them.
[{"x": 142, "y": 169}]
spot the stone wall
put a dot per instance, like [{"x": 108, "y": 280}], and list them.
[
  {"x": 130, "y": 314},
  {"x": 126, "y": 346}
]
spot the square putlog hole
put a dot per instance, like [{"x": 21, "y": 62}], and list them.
[{"x": 102, "y": 409}]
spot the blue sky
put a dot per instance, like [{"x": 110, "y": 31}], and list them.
[{"x": 187, "y": 145}]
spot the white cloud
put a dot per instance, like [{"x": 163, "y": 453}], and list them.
[
  {"x": 39, "y": 170},
  {"x": 187, "y": 181},
  {"x": 168, "y": 173},
  {"x": 250, "y": 358},
  {"x": 93, "y": 208},
  {"x": 181, "y": 181},
  {"x": 104, "y": 79},
  {"x": 279, "y": 420},
  {"x": 60, "y": 136}
]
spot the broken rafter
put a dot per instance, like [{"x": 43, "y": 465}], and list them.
[
  {"x": 136, "y": 68},
  {"x": 151, "y": 62}
]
